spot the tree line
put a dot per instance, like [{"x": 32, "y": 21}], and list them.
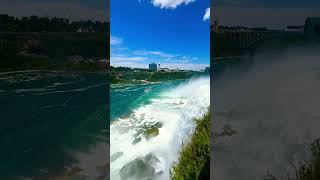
[{"x": 46, "y": 24}]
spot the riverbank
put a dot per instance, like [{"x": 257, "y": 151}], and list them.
[
  {"x": 133, "y": 77},
  {"x": 53, "y": 51},
  {"x": 193, "y": 155}
]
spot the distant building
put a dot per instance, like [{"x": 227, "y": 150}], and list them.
[
  {"x": 153, "y": 67},
  {"x": 312, "y": 28}
]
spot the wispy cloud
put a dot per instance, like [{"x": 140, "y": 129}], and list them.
[
  {"x": 115, "y": 41},
  {"x": 125, "y": 57},
  {"x": 185, "y": 66},
  {"x": 155, "y": 53},
  {"x": 170, "y": 4},
  {"x": 166, "y": 57},
  {"x": 206, "y": 15},
  {"x": 120, "y": 58}
]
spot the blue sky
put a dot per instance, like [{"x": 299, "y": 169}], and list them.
[{"x": 174, "y": 33}]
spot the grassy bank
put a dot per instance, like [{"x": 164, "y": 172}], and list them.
[
  {"x": 310, "y": 170},
  {"x": 194, "y": 155}
]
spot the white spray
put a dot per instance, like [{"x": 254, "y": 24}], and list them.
[{"x": 175, "y": 109}]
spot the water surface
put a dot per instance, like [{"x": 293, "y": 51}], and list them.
[{"x": 47, "y": 117}]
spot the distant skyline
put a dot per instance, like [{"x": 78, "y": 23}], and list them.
[
  {"x": 274, "y": 14},
  {"x": 174, "y": 33},
  {"x": 71, "y": 9}
]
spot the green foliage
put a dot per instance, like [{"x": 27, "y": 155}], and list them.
[
  {"x": 45, "y": 24},
  {"x": 53, "y": 51},
  {"x": 160, "y": 76},
  {"x": 194, "y": 154},
  {"x": 127, "y": 75},
  {"x": 311, "y": 170}
]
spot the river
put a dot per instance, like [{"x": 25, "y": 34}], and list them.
[
  {"x": 51, "y": 122},
  {"x": 149, "y": 124}
]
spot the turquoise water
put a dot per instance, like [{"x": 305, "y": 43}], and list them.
[
  {"x": 45, "y": 117},
  {"x": 125, "y": 98}
]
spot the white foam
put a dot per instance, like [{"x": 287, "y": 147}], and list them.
[{"x": 175, "y": 108}]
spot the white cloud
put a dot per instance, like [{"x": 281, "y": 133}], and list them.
[
  {"x": 206, "y": 15},
  {"x": 115, "y": 41},
  {"x": 126, "y": 59},
  {"x": 155, "y": 53},
  {"x": 130, "y": 64},
  {"x": 185, "y": 66},
  {"x": 170, "y": 4}
]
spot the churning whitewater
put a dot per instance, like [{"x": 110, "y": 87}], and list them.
[{"x": 145, "y": 143}]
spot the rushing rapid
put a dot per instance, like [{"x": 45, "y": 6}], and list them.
[{"x": 146, "y": 138}]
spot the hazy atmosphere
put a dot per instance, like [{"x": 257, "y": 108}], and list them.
[
  {"x": 270, "y": 102},
  {"x": 257, "y": 13}
]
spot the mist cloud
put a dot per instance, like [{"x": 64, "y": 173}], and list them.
[
  {"x": 272, "y": 103},
  {"x": 170, "y": 4}
]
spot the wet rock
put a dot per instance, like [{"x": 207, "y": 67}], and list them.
[
  {"x": 158, "y": 125},
  {"x": 138, "y": 132},
  {"x": 140, "y": 168},
  {"x": 151, "y": 132},
  {"x": 148, "y": 130},
  {"x": 115, "y": 156},
  {"x": 137, "y": 140}
]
